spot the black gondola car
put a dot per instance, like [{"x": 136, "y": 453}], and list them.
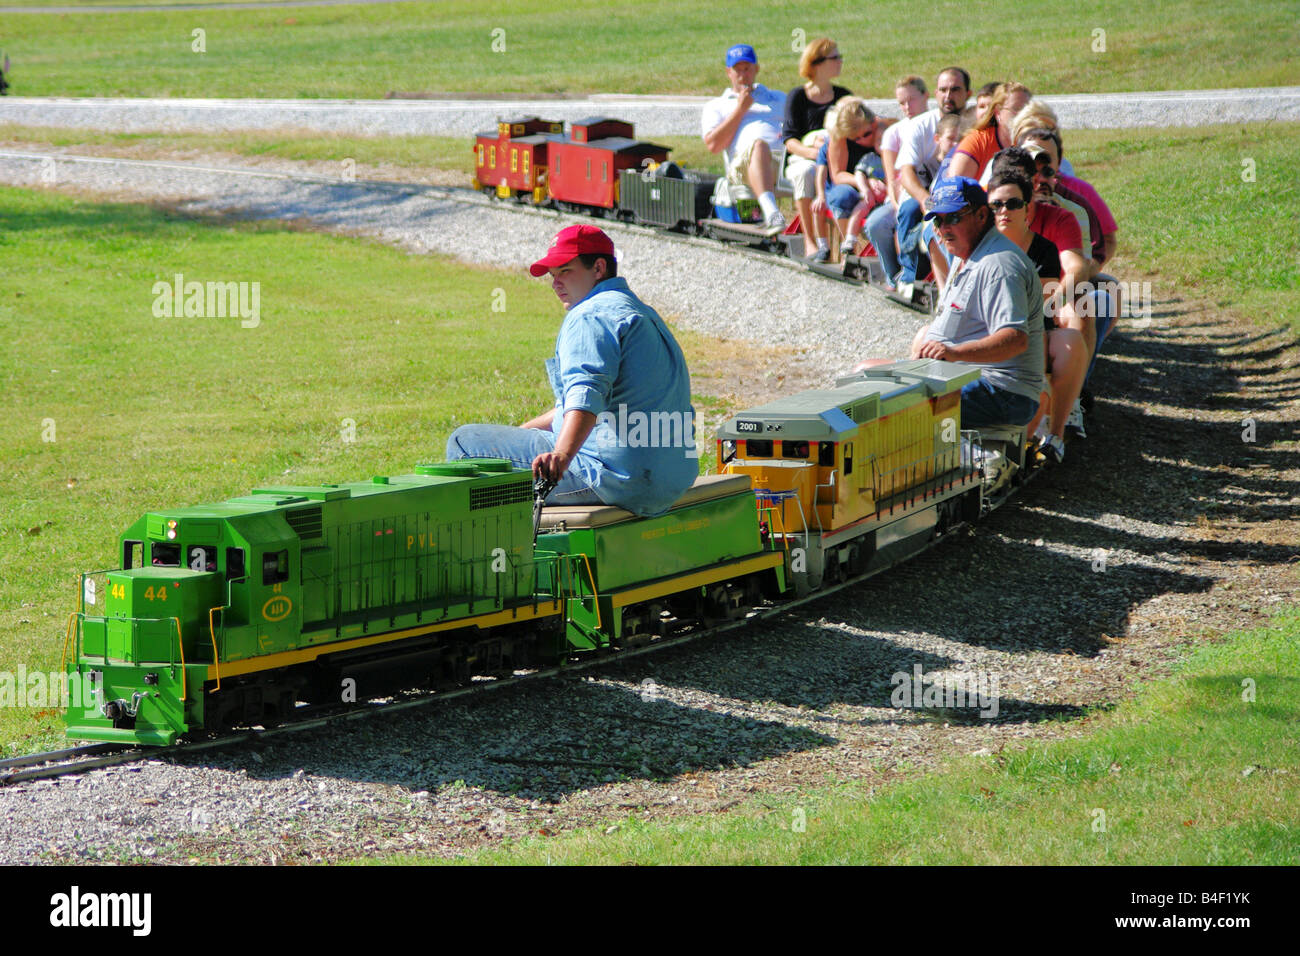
[{"x": 666, "y": 196}]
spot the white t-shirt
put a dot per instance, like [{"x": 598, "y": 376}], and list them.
[
  {"x": 763, "y": 121},
  {"x": 890, "y": 140},
  {"x": 916, "y": 142}
]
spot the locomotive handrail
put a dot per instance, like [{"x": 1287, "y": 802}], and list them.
[
  {"x": 571, "y": 560},
  {"x": 180, "y": 644},
  {"x": 67, "y": 636},
  {"x": 216, "y": 657},
  {"x": 830, "y": 486},
  {"x": 81, "y": 597},
  {"x": 775, "y": 517}
]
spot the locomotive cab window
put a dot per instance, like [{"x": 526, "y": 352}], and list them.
[
  {"x": 200, "y": 558},
  {"x": 131, "y": 554},
  {"x": 164, "y": 555},
  {"x": 234, "y": 563},
  {"x": 275, "y": 567}
]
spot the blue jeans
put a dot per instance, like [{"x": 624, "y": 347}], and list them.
[
  {"x": 841, "y": 199},
  {"x": 520, "y": 446},
  {"x": 983, "y": 405},
  {"x": 880, "y": 230},
  {"x": 910, "y": 217},
  {"x": 928, "y": 234},
  {"x": 1103, "y": 308}
]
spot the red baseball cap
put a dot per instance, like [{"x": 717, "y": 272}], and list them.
[{"x": 571, "y": 242}]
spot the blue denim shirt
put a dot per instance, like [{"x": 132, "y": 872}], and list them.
[{"x": 614, "y": 357}]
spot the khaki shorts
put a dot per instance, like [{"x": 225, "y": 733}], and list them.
[
  {"x": 802, "y": 174},
  {"x": 740, "y": 164}
]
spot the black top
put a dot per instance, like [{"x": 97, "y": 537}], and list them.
[
  {"x": 1042, "y": 253},
  {"x": 802, "y": 115}
]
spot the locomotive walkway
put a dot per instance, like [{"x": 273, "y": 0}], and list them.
[{"x": 653, "y": 115}]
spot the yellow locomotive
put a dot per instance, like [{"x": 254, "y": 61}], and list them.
[{"x": 860, "y": 476}]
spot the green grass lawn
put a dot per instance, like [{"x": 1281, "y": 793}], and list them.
[
  {"x": 668, "y": 47},
  {"x": 1200, "y": 769}
]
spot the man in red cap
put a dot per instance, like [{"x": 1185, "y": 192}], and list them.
[{"x": 621, "y": 431}]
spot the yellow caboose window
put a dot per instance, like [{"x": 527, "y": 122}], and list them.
[
  {"x": 492, "y": 156},
  {"x": 527, "y": 156},
  {"x": 480, "y": 154},
  {"x": 514, "y": 160}
]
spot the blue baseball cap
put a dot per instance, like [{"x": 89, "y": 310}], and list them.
[
  {"x": 954, "y": 194},
  {"x": 741, "y": 53}
]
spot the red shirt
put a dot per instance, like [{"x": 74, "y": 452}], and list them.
[{"x": 1059, "y": 227}]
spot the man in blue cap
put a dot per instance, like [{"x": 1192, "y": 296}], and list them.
[
  {"x": 746, "y": 121},
  {"x": 991, "y": 310}
]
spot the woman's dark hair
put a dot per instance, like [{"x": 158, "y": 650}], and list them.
[
  {"x": 1014, "y": 159},
  {"x": 1010, "y": 177}
]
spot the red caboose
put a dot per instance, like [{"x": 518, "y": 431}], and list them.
[
  {"x": 586, "y": 164},
  {"x": 513, "y": 160}
]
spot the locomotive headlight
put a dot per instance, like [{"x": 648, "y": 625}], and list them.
[{"x": 171, "y": 529}]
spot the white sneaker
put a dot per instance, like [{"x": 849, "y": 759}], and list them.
[
  {"x": 775, "y": 222},
  {"x": 848, "y": 246},
  {"x": 1075, "y": 421},
  {"x": 1043, "y": 432}
]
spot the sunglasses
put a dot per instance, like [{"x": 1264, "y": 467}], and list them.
[
  {"x": 950, "y": 218},
  {"x": 823, "y": 59},
  {"x": 1047, "y": 172},
  {"x": 1012, "y": 205}
]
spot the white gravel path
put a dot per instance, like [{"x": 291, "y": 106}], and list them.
[{"x": 652, "y": 115}]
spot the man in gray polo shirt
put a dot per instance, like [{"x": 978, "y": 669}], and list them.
[{"x": 991, "y": 311}]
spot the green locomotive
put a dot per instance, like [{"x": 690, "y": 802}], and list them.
[{"x": 229, "y": 614}]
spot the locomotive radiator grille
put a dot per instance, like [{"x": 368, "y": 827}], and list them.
[
  {"x": 498, "y": 495},
  {"x": 305, "y": 522}
]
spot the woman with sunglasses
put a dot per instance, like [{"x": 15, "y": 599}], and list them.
[
  {"x": 803, "y": 131},
  {"x": 1011, "y": 201}
]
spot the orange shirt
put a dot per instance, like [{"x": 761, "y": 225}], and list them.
[{"x": 981, "y": 145}]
